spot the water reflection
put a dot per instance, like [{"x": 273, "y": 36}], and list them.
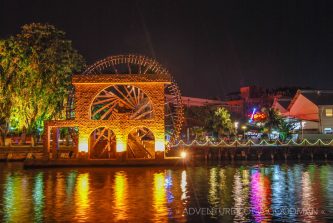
[
  {"x": 120, "y": 196},
  {"x": 183, "y": 185},
  {"x": 260, "y": 196},
  {"x": 13, "y": 200},
  {"x": 162, "y": 195},
  {"x": 82, "y": 197},
  {"x": 159, "y": 199},
  {"x": 240, "y": 193},
  {"x": 38, "y": 197}
]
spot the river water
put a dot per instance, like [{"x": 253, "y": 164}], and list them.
[{"x": 213, "y": 193}]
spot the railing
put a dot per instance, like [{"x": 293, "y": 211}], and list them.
[{"x": 249, "y": 143}]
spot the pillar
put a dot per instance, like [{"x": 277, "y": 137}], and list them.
[{"x": 55, "y": 139}]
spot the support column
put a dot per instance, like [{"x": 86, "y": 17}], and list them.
[
  {"x": 46, "y": 139},
  {"x": 55, "y": 141}
]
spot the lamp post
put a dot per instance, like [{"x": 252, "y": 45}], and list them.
[
  {"x": 244, "y": 128},
  {"x": 236, "y": 128}
]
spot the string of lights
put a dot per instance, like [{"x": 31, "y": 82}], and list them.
[{"x": 237, "y": 143}]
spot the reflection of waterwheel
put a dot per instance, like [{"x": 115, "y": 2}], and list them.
[
  {"x": 102, "y": 144},
  {"x": 106, "y": 104}
]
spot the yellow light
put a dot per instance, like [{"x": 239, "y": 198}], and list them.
[
  {"x": 183, "y": 154},
  {"x": 83, "y": 145},
  {"x": 159, "y": 145},
  {"x": 244, "y": 127},
  {"x": 120, "y": 146}
]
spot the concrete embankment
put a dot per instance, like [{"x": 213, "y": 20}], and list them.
[
  {"x": 100, "y": 163},
  {"x": 20, "y": 153}
]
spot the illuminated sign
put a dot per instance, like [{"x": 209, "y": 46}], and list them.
[{"x": 257, "y": 116}]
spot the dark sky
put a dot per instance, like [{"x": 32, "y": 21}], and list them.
[{"x": 211, "y": 47}]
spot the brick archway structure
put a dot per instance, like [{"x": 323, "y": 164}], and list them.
[{"x": 147, "y": 75}]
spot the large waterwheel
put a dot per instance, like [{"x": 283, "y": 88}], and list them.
[{"x": 119, "y": 100}]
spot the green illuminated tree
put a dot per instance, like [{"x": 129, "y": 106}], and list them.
[
  {"x": 220, "y": 122},
  {"x": 39, "y": 77}
]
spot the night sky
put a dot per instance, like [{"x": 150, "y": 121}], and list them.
[{"x": 210, "y": 47}]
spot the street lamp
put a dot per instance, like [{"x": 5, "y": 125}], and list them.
[
  {"x": 236, "y": 125},
  {"x": 244, "y": 128}
]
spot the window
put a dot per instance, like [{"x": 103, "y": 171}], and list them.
[{"x": 329, "y": 112}]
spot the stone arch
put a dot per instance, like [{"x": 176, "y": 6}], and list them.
[
  {"x": 121, "y": 101},
  {"x": 141, "y": 143},
  {"x": 102, "y": 143}
]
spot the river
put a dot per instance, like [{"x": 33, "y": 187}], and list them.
[{"x": 204, "y": 193}]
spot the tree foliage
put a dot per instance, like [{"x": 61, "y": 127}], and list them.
[
  {"x": 36, "y": 67},
  {"x": 219, "y": 121},
  {"x": 275, "y": 121}
]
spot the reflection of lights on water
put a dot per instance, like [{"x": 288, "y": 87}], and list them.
[
  {"x": 82, "y": 196},
  {"x": 256, "y": 196},
  {"x": 120, "y": 192},
  {"x": 260, "y": 195},
  {"x": 168, "y": 181},
  {"x": 238, "y": 196},
  {"x": 183, "y": 185},
  {"x": 14, "y": 192},
  {"x": 168, "y": 186},
  {"x": 307, "y": 196},
  {"x": 38, "y": 197},
  {"x": 71, "y": 178},
  {"x": 170, "y": 197},
  {"x": 9, "y": 198},
  {"x": 159, "y": 196},
  {"x": 213, "y": 198}
]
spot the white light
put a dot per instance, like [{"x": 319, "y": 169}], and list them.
[
  {"x": 236, "y": 125},
  {"x": 183, "y": 154}
]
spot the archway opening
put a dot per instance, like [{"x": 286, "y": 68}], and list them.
[
  {"x": 141, "y": 144},
  {"x": 102, "y": 144}
]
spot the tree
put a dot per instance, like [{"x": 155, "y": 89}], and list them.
[
  {"x": 40, "y": 76},
  {"x": 285, "y": 129},
  {"x": 220, "y": 122},
  {"x": 12, "y": 62},
  {"x": 273, "y": 119},
  {"x": 198, "y": 132}
]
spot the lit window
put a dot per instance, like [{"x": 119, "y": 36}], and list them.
[{"x": 329, "y": 112}]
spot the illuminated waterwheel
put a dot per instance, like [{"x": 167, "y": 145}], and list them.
[
  {"x": 117, "y": 101},
  {"x": 141, "y": 144},
  {"x": 121, "y": 99},
  {"x": 102, "y": 144}
]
